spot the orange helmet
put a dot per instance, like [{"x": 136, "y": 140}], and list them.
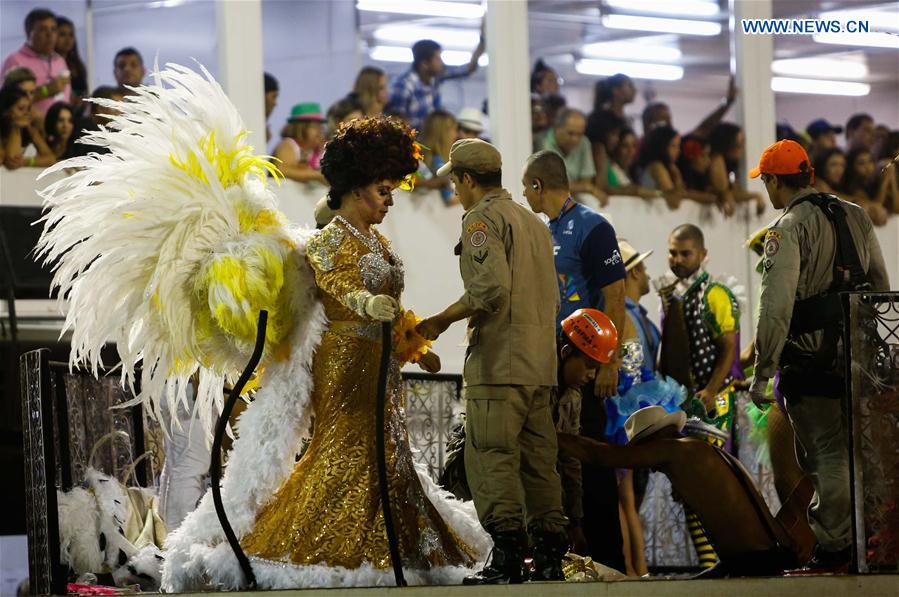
[{"x": 593, "y": 333}]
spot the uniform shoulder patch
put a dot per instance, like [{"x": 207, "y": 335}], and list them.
[
  {"x": 474, "y": 227},
  {"x": 772, "y": 246},
  {"x": 477, "y": 238}
]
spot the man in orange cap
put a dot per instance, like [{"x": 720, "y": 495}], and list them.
[{"x": 818, "y": 247}]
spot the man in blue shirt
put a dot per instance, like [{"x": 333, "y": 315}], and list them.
[
  {"x": 416, "y": 93},
  {"x": 636, "y": 286},
  {"x": 591, "y": 274}
]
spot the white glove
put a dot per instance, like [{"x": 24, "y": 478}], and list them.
[{"x": 381, "y": 307}]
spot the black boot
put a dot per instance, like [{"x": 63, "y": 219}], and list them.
[
  {"x": 549, "y": 549},
  {"x": 505, "y": 562}
]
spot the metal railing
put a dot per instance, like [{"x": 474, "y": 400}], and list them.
[{"x": 871, "y": 337}]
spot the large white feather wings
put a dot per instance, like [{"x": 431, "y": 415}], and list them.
[{"x": 171, "y": 243}]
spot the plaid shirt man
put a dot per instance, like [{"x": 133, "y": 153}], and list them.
[{"x": 410, "y": 96}]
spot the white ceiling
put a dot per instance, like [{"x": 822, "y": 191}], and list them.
[{"x": 559, "y": 28}]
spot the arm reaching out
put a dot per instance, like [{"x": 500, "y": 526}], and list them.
[{"x": 648, "y": 455}]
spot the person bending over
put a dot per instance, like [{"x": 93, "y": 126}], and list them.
[{"x": 748, "y": 539}]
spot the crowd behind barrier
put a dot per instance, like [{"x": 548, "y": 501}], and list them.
[
  {"x": 424, "y": 232},
  {"x": 42, "y": 115}
]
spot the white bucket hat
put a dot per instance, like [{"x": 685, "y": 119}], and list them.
[
  {"x": 471, "y": 119},
  {"x": 651, "y": 419}
]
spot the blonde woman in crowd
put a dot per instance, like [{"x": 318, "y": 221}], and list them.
[
  {"x": 371, "y": 89},
  {"x": 438, "y": 135},
  {"x": 300, "y": 149}
]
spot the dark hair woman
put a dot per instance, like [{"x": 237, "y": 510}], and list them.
[
  {"x": 613, "y": 93},
  {"x": 728, "y": 148},
  {"x": 67, "y": 47},
  {"x": 830, "y": 166},
  {"x": 17, "y": 132},
  {"x": 59, "y": 124},
  {"x": 365, "y": 154},
  {"x": 862, "y": 185}
]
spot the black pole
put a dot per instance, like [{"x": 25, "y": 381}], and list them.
[
  {"x": 215, "y": 467},
  {"x": 380, "y": 432}
]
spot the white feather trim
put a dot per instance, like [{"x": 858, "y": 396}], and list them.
[
  {"x": 79, "y": 529},
  {"x": 144, "y": 569},
  {"x": 460, "y": 515},
  {"x": 113, "y": 514}
]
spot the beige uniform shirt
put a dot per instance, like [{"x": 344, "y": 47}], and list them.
[
  {"x": 506, "y": 260},
  {"x": 798, "y": 263}
]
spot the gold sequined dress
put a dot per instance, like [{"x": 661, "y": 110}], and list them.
[{"x": 328, "y": 511}]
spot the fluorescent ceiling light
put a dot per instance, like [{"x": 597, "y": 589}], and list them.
[
  {"x": 400, "y": 54},
  {"x": 637, "y": 70},
  {"x": 687, "y": 8},
  {"x": 684, "y": 27},
  {"x": 872, "y": 40},
  {"x": 445, "y": 36},
  {"x": 630, "y": 51},
  {"x": 819, "y": 86},
  {"x": 391, "y": 54},
  {"x": 832, "y": 67},
  {"x": 430, "y": 8},
  {"x": 879, "y": 18}
]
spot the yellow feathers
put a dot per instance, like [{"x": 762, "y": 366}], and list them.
[
  {"x": 232, "y": 288},
  {"x": 264, "y": 221},
  {"x": 231, "y": 167}
]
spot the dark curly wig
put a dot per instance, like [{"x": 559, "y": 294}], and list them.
[{"x": 365, "y": 151}]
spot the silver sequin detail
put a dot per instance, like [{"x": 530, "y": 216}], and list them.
[
  {"x": 374, "y": 269},
  {"x": 323, "y": 245},
  {"x": 632, "y": 358},
  {"x": 369, "y": 240},
  {"x": 369, "y": 331}
]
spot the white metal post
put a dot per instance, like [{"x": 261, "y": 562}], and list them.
[
  {"x": 508, "y": 86},
  {"x": 239, "y": 38},
  {"x": 750, "y": 63},
  {"x": 751, "y": 57}
]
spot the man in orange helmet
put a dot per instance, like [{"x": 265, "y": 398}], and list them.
[{"x": 588, "y": 340}]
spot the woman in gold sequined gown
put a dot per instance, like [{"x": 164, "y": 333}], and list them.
[{"x": 328, "y": 512}]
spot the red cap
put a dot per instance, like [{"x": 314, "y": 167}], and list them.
[
  {"x": 783, "y": 157},
  {"x": 593, "y": 333}
]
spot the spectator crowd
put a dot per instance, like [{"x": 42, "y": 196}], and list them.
[{"x": 42, "y": 114}]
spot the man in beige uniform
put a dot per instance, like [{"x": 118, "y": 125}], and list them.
[
  {"x": 800, "y": 324},
  {"x": 511, "y": 299}
]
